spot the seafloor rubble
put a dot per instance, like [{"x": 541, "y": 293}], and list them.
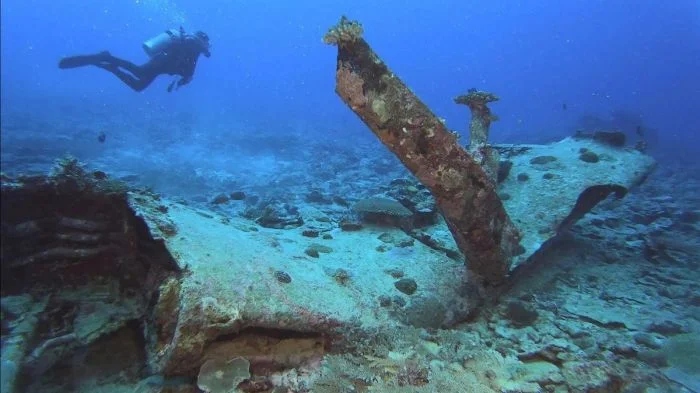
[{"x": 108, "y": 290}]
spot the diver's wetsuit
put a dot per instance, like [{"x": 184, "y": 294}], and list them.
[{"x": 180, "y": 58}]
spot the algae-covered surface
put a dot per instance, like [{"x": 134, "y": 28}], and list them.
[{"x": 546, "y": 181}]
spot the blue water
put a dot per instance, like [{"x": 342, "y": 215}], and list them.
[{"x": 270, "y": 69}]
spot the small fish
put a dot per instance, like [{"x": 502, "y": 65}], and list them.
[
  {"x": 640, "y": 131},
  {"x": 564, "y": 106},
  {"x": 102, "y": 137}
]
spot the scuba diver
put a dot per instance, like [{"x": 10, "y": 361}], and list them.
[{"x": 172, "y": 52}]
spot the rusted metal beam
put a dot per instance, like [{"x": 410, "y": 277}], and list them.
[{"x": 463, "y": 191}]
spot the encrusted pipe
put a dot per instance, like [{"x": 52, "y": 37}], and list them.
[
  {"x": 463, "y": 191},
  {"x": 479, "y": 127},
  {"x": 481, "y": 115}
]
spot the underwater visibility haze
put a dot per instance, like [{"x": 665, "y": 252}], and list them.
[{"x": 350, "y": 196}]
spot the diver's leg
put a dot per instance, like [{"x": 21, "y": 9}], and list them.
[
  {"x": 135, "y": 82},
  {"x": 146, "y": 78},
  {"x": 125, "y": 64}
]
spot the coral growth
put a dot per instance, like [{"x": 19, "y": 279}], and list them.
[
  {"x": 345, "y": 31},
  {"x": 219, "y": 376}
]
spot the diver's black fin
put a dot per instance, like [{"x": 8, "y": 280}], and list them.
[
  {"x": 84, "y": 60},
  {"x": 76, "y": 61}
]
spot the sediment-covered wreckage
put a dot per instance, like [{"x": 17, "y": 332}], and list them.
[{"x": 151, "y": 286}]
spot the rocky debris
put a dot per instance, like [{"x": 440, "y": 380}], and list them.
[
  {"x": 417, "y": 198},
  {"x": 520, "y": 314},
  {"x": 384, "y": 211},
  {"x": 220, "y": 199},
  {"x": 282, "y": 277},
  {"x": 542, "y": 160},
  {"x": 341, "y": 276},
  {"x": 312, "y": 252},
  {"x": 406, "y": 285},
  {"x": 237, "y": 196},
  {"x": 588, "y": 156},
  {"x": 319, "y": 248},
  {"x": 279, "y": 215},
  {"x": 317, "y": 196},
  {"x": 350, "y": 222},
  {"x": 425, "y": 312}
]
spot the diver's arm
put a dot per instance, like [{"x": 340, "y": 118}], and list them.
[
  {"x": 180, "y": 82},
  {"x": 183, "y": 81},
  {"x": 204, "y": 50}
]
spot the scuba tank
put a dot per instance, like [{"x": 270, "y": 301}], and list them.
[{"x": 160, "y": 42}]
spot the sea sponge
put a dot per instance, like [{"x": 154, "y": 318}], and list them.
[{"x": 222, "y": 376}]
